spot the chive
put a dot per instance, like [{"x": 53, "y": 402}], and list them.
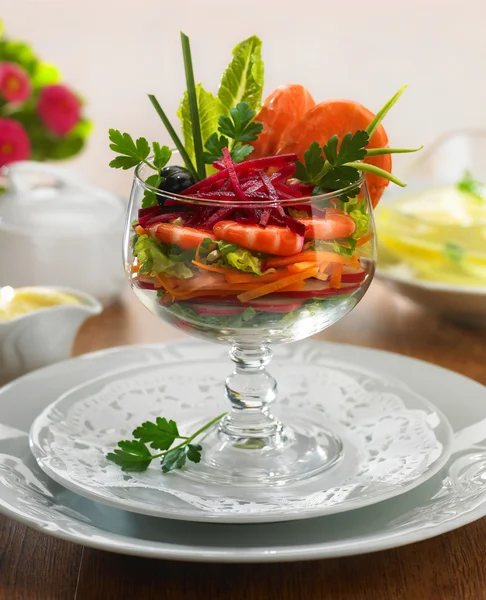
[
  {"x": 380, "y": 115},
  {"x": 380, "y": 151},
  {"x": 376, "y": 170},
  {"x": 175, "y": 138},
  {"x": 193, "y": 110}
]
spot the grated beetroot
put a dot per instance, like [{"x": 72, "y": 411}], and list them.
[
  {"x": 151, "y": 211},
  {"x": 163, "y": 218}
]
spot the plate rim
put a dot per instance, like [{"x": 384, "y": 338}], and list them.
[
  {"x": 432, "y": 286},
  {"x": 207, "y": 517},
  {"x": 130, "y": 545}
]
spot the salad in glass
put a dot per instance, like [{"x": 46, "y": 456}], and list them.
[{"x": 257, "y": 229}]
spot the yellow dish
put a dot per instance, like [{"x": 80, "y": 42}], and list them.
[
  {"x": 439, "y": 232},
  {"x": 20, "y": 301}
]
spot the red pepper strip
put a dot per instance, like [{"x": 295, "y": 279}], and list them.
[
  {"x": 230, "y": 165},
  {"x": 243, "y": 167}
]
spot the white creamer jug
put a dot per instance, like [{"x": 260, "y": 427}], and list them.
[{"x": 56, "y": 230}]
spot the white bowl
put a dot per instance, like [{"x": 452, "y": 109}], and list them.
[
  {"x": 44, "y": 336},
  {"x": 460, "y": 303}
]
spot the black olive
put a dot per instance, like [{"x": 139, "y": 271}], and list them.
[{"x": 175, "y": 180}]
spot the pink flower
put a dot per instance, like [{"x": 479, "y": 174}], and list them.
[
  {"x": 58, "y": 109},
  {"x": 14, "y": 142},
  {"x": 14, "y": 82}
]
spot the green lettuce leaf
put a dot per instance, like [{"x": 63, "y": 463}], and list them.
[
  {"x": 242, "y": 80},
  {"x": 210, "y": 109},
  {"x": 240, "y": 258},
  {"x": 153, "y": 258},
  {"x": 362, "y": 221}
]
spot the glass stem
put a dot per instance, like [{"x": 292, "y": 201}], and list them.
[{"x": 251, "y": 391}]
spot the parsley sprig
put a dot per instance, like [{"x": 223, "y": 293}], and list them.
[
  {"x": 133, "y": 152},
  {"x": 235, "y": 130},
  {"x": 135, "y": 456}
]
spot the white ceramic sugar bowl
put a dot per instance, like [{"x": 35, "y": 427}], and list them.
[{"x": 57, "y": 230}]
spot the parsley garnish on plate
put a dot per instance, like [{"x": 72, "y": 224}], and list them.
[{"x": 135, "y": 455}]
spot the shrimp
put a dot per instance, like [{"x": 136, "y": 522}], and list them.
[
  {"x": 280, "y": 112},
  {"x": 333, "y": 226},
  {"x": 186, "y": 238},
  {"x": 271, "y": 239}
]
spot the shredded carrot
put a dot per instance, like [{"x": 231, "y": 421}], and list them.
[
  {"x": 140, "y": 230},
  {"x": 239, "y": 277},
  {"x": 323, "y": 266},
  {"x": 322, "y": 276},
  {"x": 275, "y": 286},
  {"x": 135, "y": 268},
  {"x": 315, "y": 256},
  {"x": 210, "y": 268},
  {"x": 362, "y": 241},
  {"x": 337, "y": 271},
  {"x": 301, "y": 266}
]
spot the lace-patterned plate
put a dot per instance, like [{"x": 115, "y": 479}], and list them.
[
  {"x": 393, "y": 438},
  {"x": 454, "y": 497}
]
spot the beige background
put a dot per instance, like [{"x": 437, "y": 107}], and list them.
[{"x": 115, "y": 52}]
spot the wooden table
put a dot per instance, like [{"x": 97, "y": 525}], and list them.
[{"x": 452, "y": 566}]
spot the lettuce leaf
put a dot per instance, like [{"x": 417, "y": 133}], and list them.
[
  {"x": 188, "y": 314},
  {"x": 210, "y": 109},
  {"x": 154, "y": 259},
  {"x": 242, "y": 80},
  {"x": 240, "y": 258},
  {"x": 362, "y": 221}
]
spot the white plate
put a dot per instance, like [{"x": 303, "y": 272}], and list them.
[
  {"x": 393, "y": 439},
  {"x": 460, "y": 303},
  {"x": 452, "y": 498}
]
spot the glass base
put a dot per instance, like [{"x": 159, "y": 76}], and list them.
[{"x": 291, "y": 453}]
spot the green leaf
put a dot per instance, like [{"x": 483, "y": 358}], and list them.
[
  {"x": 239, "y": 258},
  {"x": 314, "y": 162},
  {"x": 239, "y": 153},
  {"x": 209, "y": 112},
  {"x": 381, "y": 114},
  {"x": 154, "y": 258},
  {"x": 19, "y": 53},
  {"x": 131, "y": 456},
  {"x": 353, "y": 147},
  {"x": 160, "y": 435},
  {"x": 472, "y": 186},
  {"x": 214, "y": 147},
  {"x": 239, "y": 126},
  {"x": 194, "y": 452},
  {"x": 45, "y": 74},
  {"x": 175, "y": 459},
  {"x": 150, "y": 198},
  {"x": 339, "y": 178},
  {"x": 242, "y": 80},
  {"x": 362, "y": 221},
  {"x": 122, "y": 143},
  {"x": 162, "y": 155}
]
